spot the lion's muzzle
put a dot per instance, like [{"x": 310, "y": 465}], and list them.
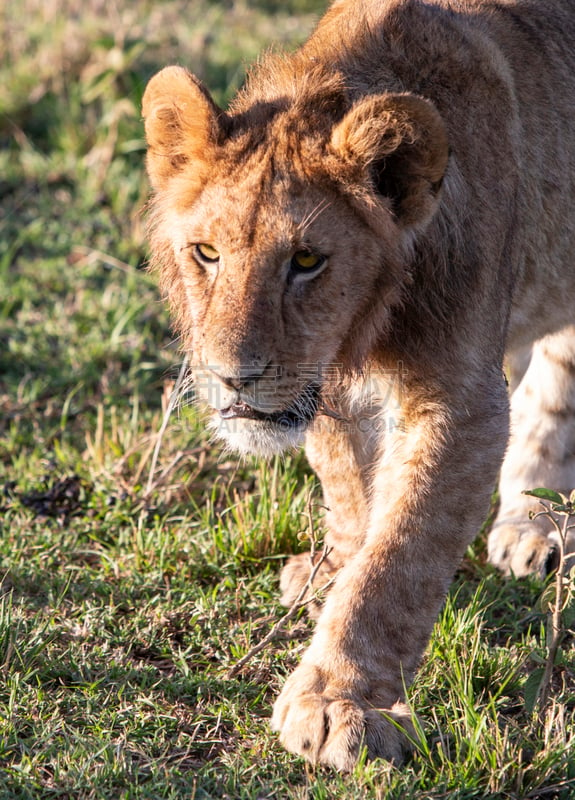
[{"x": 299, "y": 413}]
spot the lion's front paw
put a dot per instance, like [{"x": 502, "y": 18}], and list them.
[
  {"x": 521, "y": 551},
  {"x": 332, "y": 730}
]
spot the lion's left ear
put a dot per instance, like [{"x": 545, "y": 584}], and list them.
[{"x": 401, "y": 141}]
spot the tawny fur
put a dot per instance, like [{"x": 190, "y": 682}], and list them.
[{"x": 425, "y": 153}]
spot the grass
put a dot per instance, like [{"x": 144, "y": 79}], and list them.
[{"x": 121, "y": 612}]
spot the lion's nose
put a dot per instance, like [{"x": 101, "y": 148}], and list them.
[{"x": 238, "y": 378}]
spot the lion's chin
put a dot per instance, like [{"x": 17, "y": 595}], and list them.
[{"x": 257, "y": 437}]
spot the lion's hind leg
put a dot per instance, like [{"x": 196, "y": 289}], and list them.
[
  {"x": 541, "y": 454},
  {"x": 306, "y": 578}
]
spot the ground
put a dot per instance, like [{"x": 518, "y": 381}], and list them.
[{"x": 125, "y": 599}]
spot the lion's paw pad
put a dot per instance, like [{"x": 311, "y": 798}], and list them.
[{"x": 519, "y": 551}]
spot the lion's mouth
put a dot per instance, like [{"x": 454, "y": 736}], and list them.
[{"x": 301, "y": 412}]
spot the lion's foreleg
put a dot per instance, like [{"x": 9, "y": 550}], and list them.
[{"x": 428, "y": 500}]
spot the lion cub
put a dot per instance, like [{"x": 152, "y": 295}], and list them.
[{"x": 348, "y": 252}]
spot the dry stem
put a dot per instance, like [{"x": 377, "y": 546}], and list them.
[
  {"x": 557, "y": 629},
  {"x": 299, "y": 601}
]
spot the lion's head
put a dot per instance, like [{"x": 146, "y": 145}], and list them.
[{"x": 282, "y": 231}]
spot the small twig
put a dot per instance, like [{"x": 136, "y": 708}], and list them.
[
  {"x": 559, "y": 510},
  {"x": 557, "y": 630},
  {"x": 323, "y": 588},
  {"x": 171, "y": 404},
  {"x": 299, "y": 601}
]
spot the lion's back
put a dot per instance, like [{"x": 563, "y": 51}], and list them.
[{"x": 502, "y": 76}]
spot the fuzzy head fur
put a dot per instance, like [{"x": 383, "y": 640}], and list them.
[{"x": 305, "y": 171}]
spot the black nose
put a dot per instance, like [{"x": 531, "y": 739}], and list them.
[{"x": 240, "y": 378}]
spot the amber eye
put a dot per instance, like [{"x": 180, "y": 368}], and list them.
[
  {"x": 305, "y": 261},
  {"x": 207, "y": 253}
]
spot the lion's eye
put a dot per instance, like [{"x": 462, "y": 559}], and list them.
[
  {"x": 207, "y": 253},
  {"x": 305, "y": 261}
]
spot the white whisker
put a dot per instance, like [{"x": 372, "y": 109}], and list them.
[{"x": 313, "y": 215}]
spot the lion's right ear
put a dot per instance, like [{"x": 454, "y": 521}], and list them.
[
  {"x": 399, "y": 142},
  {"x": 182, "y": 123}
]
